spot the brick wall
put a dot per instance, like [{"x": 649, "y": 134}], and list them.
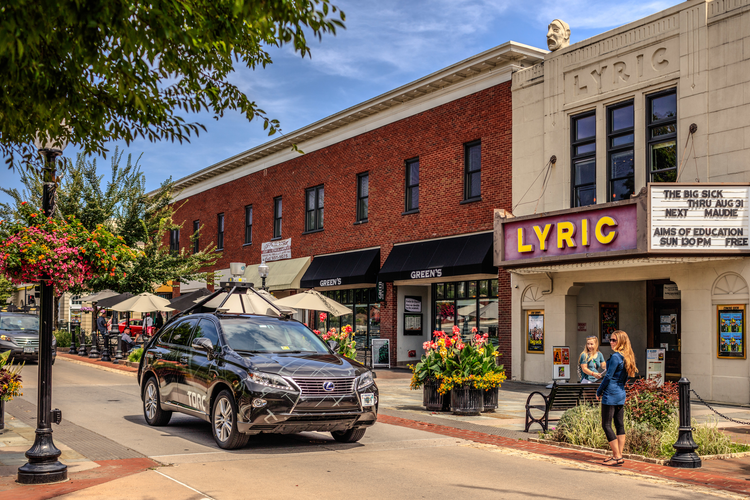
[{"x": 436, "y": 136}]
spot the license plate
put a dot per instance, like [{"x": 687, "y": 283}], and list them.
[
  {"x": 368, "y": 399},
  {"x": 29, "y": 350}
]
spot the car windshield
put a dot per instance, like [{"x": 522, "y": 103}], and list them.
[
  {"x": 25, "y": 323},
  {"x": 262, "y": 335}
]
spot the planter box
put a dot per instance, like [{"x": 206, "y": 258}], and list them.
[
  {"x": 466, "y": 400},
  {"x": 490, "y": 398},
  {"x": 432, "y": 400}
]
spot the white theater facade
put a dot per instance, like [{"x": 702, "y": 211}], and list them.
[{"x": 631, "y": 185}]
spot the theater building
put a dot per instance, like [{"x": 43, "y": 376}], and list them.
[
  {"x": 389, "y": 211},
  {"x": 630, "y": 194}
]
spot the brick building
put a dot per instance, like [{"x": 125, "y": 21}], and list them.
[{"x": 389, "y": 211}]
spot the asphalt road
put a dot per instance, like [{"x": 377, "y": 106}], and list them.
[{"x": 389, "y": 462}]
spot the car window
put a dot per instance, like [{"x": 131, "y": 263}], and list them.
[
  {"x": 165, "y": 335},
  {"x": 181, "y": 335},
  {"x": 207, "y": 329},
  {"x": 267, "y": 335},
  {"x": 24, "y": 323}
]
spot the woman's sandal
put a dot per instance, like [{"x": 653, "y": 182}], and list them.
[
  {"x": 620, "y": 461},
  {"x": 610, "y": 461}
]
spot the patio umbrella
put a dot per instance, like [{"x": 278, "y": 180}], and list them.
[
  {"x": 182, "y": 302},
  {"x": 251, "y": 302},
  {"x": 143, "y": 302},
  {"x": 112, "y": 301},
  {"x": 96, "y": 297},
  {"x": 314, "y": 301}
]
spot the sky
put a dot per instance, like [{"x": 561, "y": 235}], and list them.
[{"x": 386, "y": 44}]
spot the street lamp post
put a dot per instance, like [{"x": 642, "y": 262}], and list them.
[
  {"x": 43, "y": 465},
  {"x": 263, "y": 273}
]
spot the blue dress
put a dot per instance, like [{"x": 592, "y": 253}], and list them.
[{"x": 612, "y": 387}]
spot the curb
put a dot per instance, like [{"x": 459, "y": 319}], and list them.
[{"x": 123, "y": 367}]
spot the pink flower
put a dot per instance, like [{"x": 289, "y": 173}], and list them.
[
  {"x": 323, "y": 317},
  {"x": 456, "y": 330}
]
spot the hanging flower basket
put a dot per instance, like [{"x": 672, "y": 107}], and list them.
[{"x": 36, "y": 247}]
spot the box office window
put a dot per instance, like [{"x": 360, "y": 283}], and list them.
[
  {"x": 620, "y": 152},
  {"x": 196, "y": 236},
  {"x": 583, "y": 159},
  {"x": 661, "y": 140},
  {"x": 220, "y": 232},
  {"x": 467, "y": 305},
  {"x": 277, "y": 217},
  {"x": 473, "y": 171},
  {"x": 412, "y": 185},
  {"x": 248, "y": 224},
  {"x": 315, "y": 198}
]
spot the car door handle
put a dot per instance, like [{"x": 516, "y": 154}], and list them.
[{"x": 183, "y": 360}]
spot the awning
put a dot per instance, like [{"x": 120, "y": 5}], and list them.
[
  {"x": 350, "y": 268},
  {"x": 460, "y": 256},
  {"x": 282, "y": 274}
]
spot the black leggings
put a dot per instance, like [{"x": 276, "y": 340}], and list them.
[{"x": 608, "y": 413}]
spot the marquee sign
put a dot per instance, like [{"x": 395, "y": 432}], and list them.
[{"x": 699, "y": 217}]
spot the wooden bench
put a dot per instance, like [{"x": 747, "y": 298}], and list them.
[{"x": 562, "y": 397}]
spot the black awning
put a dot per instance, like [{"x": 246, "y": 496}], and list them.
[
  {"x": 351, "y": 268},
  {"x": 459, "y": 256}
]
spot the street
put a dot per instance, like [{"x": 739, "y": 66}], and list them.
[{"x": 103, "y": 421}]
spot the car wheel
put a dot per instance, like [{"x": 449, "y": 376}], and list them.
[
  {"x": 350, "y": 436},
  {"x": 151, "y": 408},
  {"x": 224, "y": 423}
]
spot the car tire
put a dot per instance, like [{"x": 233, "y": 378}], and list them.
[
  {"x": 350, "y": 436},
  {"x": 152, "y": 411},
  {"x": 224, "y": 423}
]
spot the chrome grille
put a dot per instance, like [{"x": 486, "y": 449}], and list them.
[
  {"x": 313, "y": 386},
  {"x": 27, "y": 341}
]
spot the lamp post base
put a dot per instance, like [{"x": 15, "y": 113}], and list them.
[{"x": 43, "y": 466}]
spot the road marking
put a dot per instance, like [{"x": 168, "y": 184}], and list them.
[{"x": 205, "y": 497}]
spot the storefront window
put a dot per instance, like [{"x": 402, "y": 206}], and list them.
[
  {"x": 445, "y": 312},
  {"x": 366, "y": 318},
  {"x": 488, "y": 317},
  {"x": 473, "y": 305},
  {"x": 466, "y": 316}
]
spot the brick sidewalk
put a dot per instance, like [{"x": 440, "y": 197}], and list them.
[{"x": 716, "y": 478}]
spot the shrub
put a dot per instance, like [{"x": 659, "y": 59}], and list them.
[
  {"x": 63, "y": 338},
  {"x": 135, "y": 356},
  {"x": 650, "y": 404}
]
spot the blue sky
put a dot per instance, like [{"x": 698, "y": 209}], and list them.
[{"x": 386, "y": 44}]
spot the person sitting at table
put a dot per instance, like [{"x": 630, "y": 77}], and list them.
[{"x": 127, "y": 340}]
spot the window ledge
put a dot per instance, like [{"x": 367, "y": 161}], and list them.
[
  {"x": 219, "y": 249},
  {"x": 313, "y": 231},
  {"x": 361, "y": 222},
  {"x": 247, "y": 244},
  {"x": 276, "y": 238},
  {"x": 409, "y": 212},
  {"x": 470, "y": 200}
]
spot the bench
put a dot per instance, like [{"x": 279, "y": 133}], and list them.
[{"x": 562, "y": 397}]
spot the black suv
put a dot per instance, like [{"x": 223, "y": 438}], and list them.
[
  {"x": 19, "y": 333},
  {"x": 248, "y": 374}
]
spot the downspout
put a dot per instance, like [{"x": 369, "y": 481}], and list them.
[{"x": 551, "y": 285}]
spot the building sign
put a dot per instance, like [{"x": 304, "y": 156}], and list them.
[
  {"x": 574, "y": 232},
  {"x": 699, "y": 217},
  {"x": 535, "y": 332},
  {"x": 427, "y": 273},
  {"x": 655, "y": 365},
  {"x": 276, "y": 250},
  {"x": 731, "y": 332},
  {"x": 413, "y": 304},
  {"x": 331, "y": 282},
  {"x": 381, "y": 353},
  {"x": 381, "y": 291},
  {"x": 561, "y": 363}
]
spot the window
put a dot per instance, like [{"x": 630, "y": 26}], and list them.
[
  {"x": 196, "y": 235},
  {"x": 75, "y": 300},
  {"x": 363, "y": 196},
  {"x": 472, "y": 170},
  {"x": 620, "y": 152},
  {"x": 314, "y": 208},
  {"x": 277, "y": 217},
  {"x": 182, "y": 333},
  {"x": 366, "y": 318},
  {"x": 174, "y": 241},
  {"x": 412, "y": 185},
  {"x": 206, "y": 329},
  {"x": 661, "y": 126},
  {"x": 583, "y": 155},
  {"x": 467, "y": 305},
  {"x": 248, "y": 224},
  {"x": 220, "y": 232}
]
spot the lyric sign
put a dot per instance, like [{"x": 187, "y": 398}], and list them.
[{"x": 699, "y": 217}]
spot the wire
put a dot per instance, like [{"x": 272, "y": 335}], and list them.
[
  {"x": 682, "y": 163},
  {"x": 547, "y": 177},
  {"x": 530, "y": 186}
]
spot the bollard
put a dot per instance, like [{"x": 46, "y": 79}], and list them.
[
  {"x": 2, "y": 414},
  {"x": 105, "y": 349},
  {"x": 82, "y": 344},
  {"x": 72, "y": 349},
  {"x": 685, "y": 456},
  {"x": 94, "y": 352}
]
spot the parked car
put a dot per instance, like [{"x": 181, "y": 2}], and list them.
[
  {"x": 251, "y": 374},
  {"x": 136, "y": 326},
  {"x": 19, "y": 333}
]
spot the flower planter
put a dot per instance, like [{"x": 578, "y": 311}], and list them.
[
  {"x": 490, "y": 397},
  {"x": 432, "y": 400},
  {"x": 465, "y": 400}
]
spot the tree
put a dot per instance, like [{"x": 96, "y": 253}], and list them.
[
  {"x": 102, "y": 70},
  {"x": 6, "y": 289}
]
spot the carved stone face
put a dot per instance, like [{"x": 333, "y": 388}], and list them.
[{"x": 558, "y": 35}]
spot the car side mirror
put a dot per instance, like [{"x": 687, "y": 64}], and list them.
[
  {"x": 203, "y": 344},
  {"x": 333, "y": 345}
]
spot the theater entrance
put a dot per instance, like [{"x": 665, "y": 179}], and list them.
[{"x": 664, "y": 324}]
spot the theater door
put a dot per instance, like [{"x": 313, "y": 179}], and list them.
[{"x": 664, "y": 323}]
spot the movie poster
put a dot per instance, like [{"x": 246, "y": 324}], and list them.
[
  {"x": 609, "y": 320},
  {"x": 535, "y": 331},
  {"x": 561, "y": 362},
  {"x": 731, "y": 334}
]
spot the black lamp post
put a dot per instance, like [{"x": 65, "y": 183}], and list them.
[
  {"x": 685, "y": 456},
  {"x": 43, "y": 465},
  {"x": 263, "y": 273}
]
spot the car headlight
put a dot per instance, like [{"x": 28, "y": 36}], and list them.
[
  {"x": 270, "y": 380},
  {"x": 7, "y": 339},
  {"x": 365, "y": 380}
]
